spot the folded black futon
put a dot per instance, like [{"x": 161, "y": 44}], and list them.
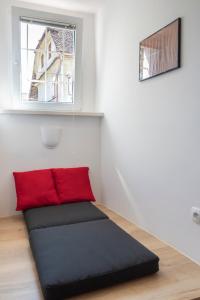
[{"x": 77, "y": 248}]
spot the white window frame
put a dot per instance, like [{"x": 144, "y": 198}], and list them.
[{"x": 17, "y": 14}]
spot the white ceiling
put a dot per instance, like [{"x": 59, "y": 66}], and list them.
[{"x": 91, "y": 6}]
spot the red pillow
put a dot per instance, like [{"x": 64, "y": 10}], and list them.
[
  {"x": 35, "y": 189},
  {"x": 73, "y": 184}
]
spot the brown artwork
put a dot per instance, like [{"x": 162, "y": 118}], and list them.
[{"x": 160, "y": 53}]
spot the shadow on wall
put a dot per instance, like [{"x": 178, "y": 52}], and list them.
[
  {"x": 130, "y": 199},
  {"x": 117, "y": 193}
]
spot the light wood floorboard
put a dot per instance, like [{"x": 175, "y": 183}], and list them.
[{"x": 178, "y": 278}]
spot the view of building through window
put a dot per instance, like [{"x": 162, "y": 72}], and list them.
[{"x": 47, "y": 63}]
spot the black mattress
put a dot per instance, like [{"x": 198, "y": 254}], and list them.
[{"x": 84, "y": 254}]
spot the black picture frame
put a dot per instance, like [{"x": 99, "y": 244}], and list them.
[{"x": 166, "y": 51}]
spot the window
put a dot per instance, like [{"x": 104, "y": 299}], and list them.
[
  {"x": 42, "y": 79},
  {"x": 42, "y": 61},
  {"x": 49, "y": 49},
  {"x": 50, "y": 59}
]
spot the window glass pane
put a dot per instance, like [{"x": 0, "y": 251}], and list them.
[
  {"x": 52, "y": 91},
  {"x": 31, "y": 73},
  {"x": 24, "y": 32},
  {"x": 41, "y": 90},
  {"x": 48, "y": 65},
  {"x": 36, "y": 36},
  {"x": 69, "y": 41},
  {"x": 33, "y": 91},
  {"x": 65, "y": 88},
  {"x": 54, "y": 63},
  {"x": 32, "y": 65}
]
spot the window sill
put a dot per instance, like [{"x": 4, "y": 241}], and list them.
[{"x": 51, "y": 113}]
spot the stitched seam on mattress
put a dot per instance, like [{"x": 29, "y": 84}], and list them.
[{"x": 58, "y": 225}]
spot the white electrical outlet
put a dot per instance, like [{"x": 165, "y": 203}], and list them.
[{"x": 196, "y": 215}]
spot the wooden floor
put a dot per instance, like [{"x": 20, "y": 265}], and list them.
[{"x": 178, "y": 278}]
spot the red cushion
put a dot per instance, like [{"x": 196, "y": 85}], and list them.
[
  {"x": 73, "y": 184},
  {"x": 35, "y": 189}
]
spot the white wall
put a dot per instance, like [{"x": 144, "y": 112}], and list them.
[
  {"x": 151, "y": 130},
  {"x": 22, "y": 149},
  {"x": 20, "y": 143}
]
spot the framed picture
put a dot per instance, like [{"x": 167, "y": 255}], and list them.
[{"x": 161, "y": 52}]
